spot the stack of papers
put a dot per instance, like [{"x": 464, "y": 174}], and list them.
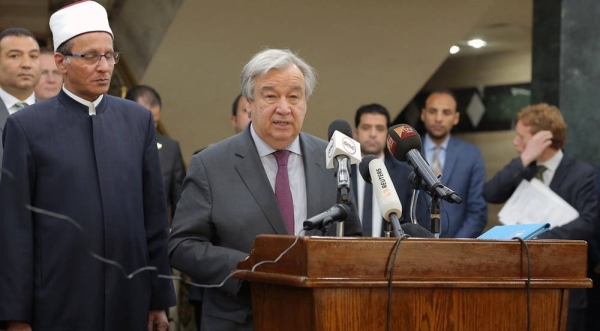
[{"x": 534, "y": 202}]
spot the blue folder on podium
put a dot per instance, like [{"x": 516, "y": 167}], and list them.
[{"x": 523, "y": 231}]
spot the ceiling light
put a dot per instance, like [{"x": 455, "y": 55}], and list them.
[
  {"x": 476, "y": 43},
  {"x": 454, "y": 49}
]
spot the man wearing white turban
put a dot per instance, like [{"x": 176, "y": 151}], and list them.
[{"x": 85, "y": 187}]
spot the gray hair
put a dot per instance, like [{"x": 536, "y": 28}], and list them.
[{"x": 279, "y": 59}]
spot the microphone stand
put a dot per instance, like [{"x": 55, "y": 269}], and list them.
[
  {"x": 398, "y": 232},
  {"x": 416, "y": 185},
  {"x": 435, "y": 221},
  {"x": 387, "y": 233},
  {"x": 326, "y": 223},
  {"x": 435, "y": 216},
  {"x": 343, "y": 179}
]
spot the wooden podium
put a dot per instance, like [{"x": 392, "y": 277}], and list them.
[{"x": 326, "y": 283}]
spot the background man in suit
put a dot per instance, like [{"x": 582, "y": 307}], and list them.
[
  {"x": 172, "y": 168},
  {"x": 461, "y": 166},
  {"x": 19, "y": 72},
  {"x": 51, "y": 79},
  {"x": 91, "y": 157},
  {"x": 240, "y": 118},
  {"x": 169, "y": 152},
  {"x": 234, "y": 190},
  {"x": 371, "y": 123},
  {"x": 540, "y": 135}
]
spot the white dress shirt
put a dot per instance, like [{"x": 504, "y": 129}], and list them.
[
  {"x": 295, "y": 174},
  {"x": 10, "y": 101}
]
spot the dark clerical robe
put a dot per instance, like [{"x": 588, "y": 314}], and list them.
[{"x": 102, "y": 172}]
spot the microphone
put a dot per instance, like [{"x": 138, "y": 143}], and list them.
[
  {"x": 336, "y": 213},
  {"x": 340, "y": 153},
  {"x": 404, "y": 143},
  {"x": 384, "y": 191}
]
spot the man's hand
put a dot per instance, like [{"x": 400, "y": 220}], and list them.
[
  {"x": 159, "y": 319},
  {"x": 536, "y": 146},
  {"x": 18, "y": 326}
]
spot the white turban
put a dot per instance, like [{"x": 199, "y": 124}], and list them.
[{"x": 78, "y": 18}]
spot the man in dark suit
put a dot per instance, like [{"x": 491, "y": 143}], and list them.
[
  {"x": 91, "y": 158},
  {"x": 19, "y": 72},
  {"x": 244, "y": 186},
  {"x": 540, "y": 134},
  {"x": 371, "y": 123},
  {"x": 169, "y": 152},
  {"x": 172, "y": 169},
  {"x": 461, "y": 166}
]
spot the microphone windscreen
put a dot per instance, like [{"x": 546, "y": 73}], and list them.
[
  {"x": 401, "y": 139},
  {"x": 416, "y": 231},
  {"x": 341, "y": 126},
  {"x": 363, "y": 167}
]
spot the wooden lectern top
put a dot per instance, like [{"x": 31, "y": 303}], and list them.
[{"x": 420, "y": 263}]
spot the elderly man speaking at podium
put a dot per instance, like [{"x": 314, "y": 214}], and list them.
[{"x": 266, "y": 180}]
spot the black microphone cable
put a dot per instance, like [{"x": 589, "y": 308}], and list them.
[
  {"x": 391, "y": 265},
  {"x": 80, "y": 228}
]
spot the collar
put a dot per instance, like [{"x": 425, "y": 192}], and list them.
[
  {"x": 10, "y": 100},
  {"x": 429, "y": 145},
  {"x": 553, "y": 162},
  {"x": 82, "y": 100},
  {"x": 264, "y": 149}
]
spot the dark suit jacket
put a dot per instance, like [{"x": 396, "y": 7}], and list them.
[
  {"x": 398, "y": 172},
  {"x": 173, "y": 172},
  {"x": 3, "y": 116},
  {"x": 575, "y": 182},
  {"x": 464, "y": 173},
  {"x": 225, "y": 203},
  {"x": 103, "y": 172}
]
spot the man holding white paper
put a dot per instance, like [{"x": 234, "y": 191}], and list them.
[{"x": 540, "y": 135}]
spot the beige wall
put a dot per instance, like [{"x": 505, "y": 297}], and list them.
[
  {"x": 364, "y": 51},
  {"x": 381, "y": 51},
  {"x": 486, "y": 70}
]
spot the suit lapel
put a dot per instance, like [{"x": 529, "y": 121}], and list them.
[
  {"x": 3, "y": 114},
  {"x": 450, "y": 161},
  {"x": 560, "y": 174},
  {"x": 314, "y": 163},
  {"x": 259, "y": 186}
]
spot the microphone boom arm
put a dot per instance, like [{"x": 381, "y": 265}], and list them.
[{"x": 343, "y": 179}]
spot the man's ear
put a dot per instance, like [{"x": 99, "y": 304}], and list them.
[
  {"x": 61, "y": 62},
  {"x": 456, "y": 118}
]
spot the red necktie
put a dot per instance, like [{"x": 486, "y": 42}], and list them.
[{"x": 282, "y": 190}]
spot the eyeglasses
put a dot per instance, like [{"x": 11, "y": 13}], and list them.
[{"x": 91, "y": 59}]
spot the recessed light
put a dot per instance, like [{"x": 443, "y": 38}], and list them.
[
  {"x": 454, "y": 49},
  {"x": 476, "y": 43}
]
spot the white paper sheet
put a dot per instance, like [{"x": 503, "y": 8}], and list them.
[{"x": 534, "y": 202}]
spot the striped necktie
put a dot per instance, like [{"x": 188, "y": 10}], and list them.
[
  {"x": 20, "y": 105},
  {"x": 436, "y": 165},
  {"x": 540, "y": 172}
]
